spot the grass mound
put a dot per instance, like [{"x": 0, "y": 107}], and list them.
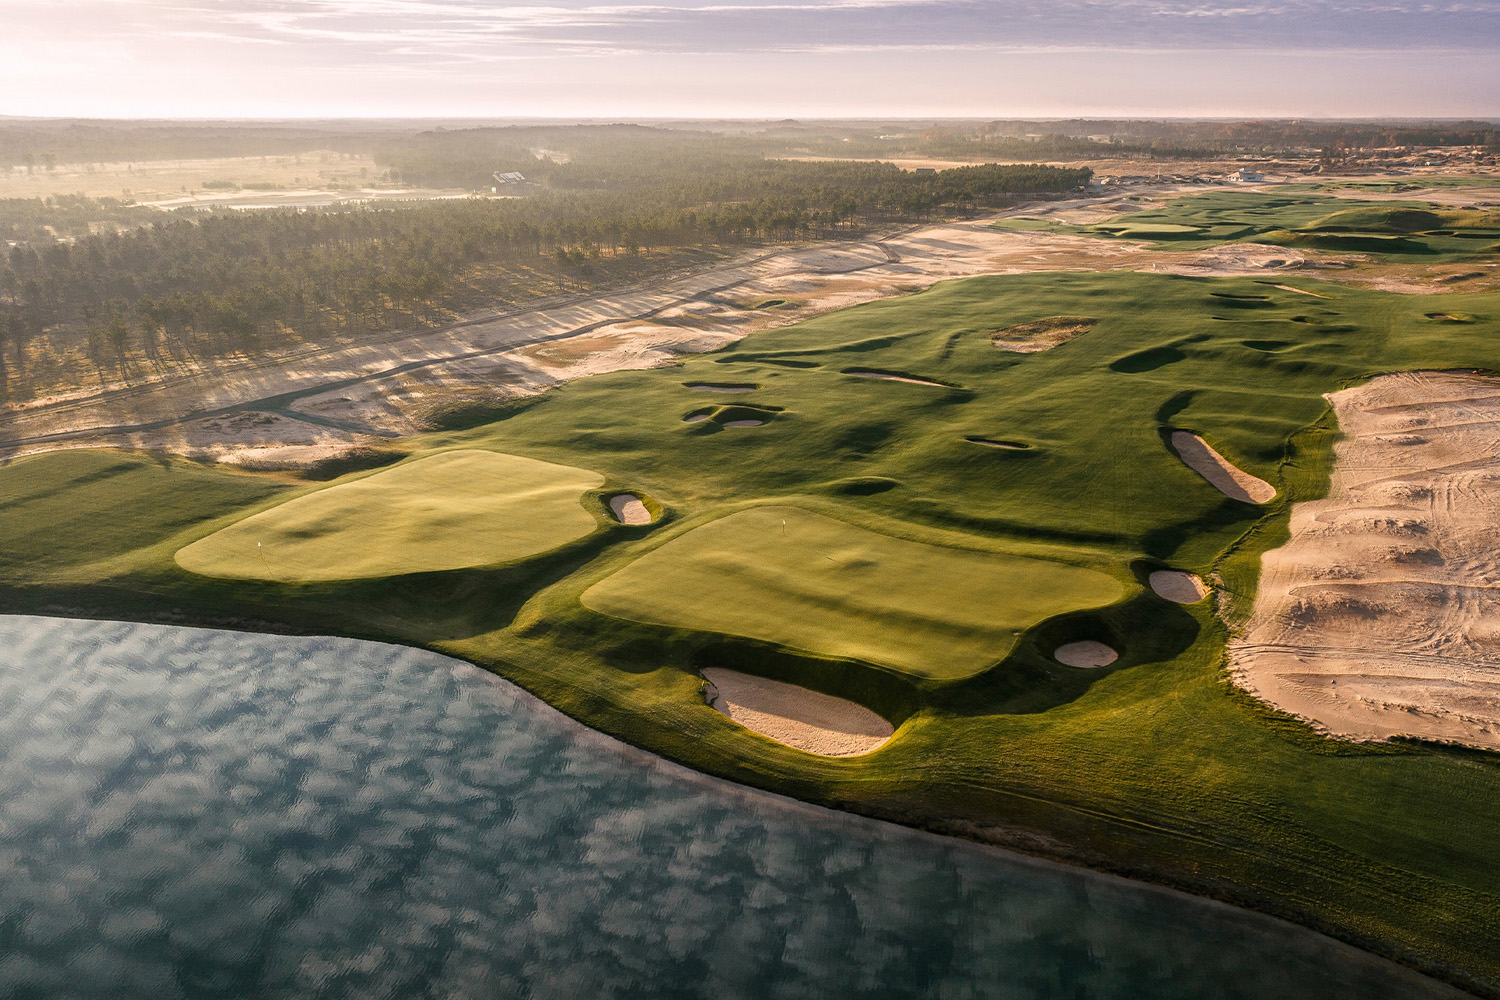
[
  {"x": 810, "y": 582},
  {"x": 450, "y": 511}
]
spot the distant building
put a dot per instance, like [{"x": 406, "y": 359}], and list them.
[
  {"x": 926, "y": 170},
  {"x": 511, "y": 177},
  {"x": 1245, "y": 175}
]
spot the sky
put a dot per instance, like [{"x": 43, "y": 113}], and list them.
[{"x": 749, "y": 58}]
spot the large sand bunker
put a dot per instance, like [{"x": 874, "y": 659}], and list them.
[
  {"x": 1222, "y": 474},
  {"x": 806, "y": 720},
  {"x": 1085, "y": 653},
  {"x": 1379, "y": 617}
]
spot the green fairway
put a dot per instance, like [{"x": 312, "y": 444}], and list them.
[
  {"x": 1411, "y": 230},
  {"x": 793, "y": 577},
  {"x": 1155, "y": 767},
  {"x": 450, "y": 511}
]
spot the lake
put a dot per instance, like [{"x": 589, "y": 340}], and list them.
[{"x": 197, "y": 813}]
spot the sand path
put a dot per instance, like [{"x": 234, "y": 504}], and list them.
[
  {"x": 1222, "y": 474},
  {"x": 796, "y": 716},
  {"x": 1380, "y": 616}
]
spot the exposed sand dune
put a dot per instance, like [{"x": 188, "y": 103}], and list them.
[
  {"x": 1379, "y": 617},
  {"x": 1041, "y": 334},
  {"x": 1087, "y": 654},
  {"x": 800, "y": 718},
  {"x": 1179, "y": 586},
  {"x": 1222, "y": 474},
  {"x": 888, "y": 377},
  {"x": 628, "y": 509}
]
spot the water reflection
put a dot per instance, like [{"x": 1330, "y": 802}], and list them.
[{"x": 189, "y": 813}]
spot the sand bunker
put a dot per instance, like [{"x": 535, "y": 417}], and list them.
[
  {"x": 887, "y": 376},
  {"x": 742, "y": 423},
  {"x": 1378, "y": 618},
  {"x": 628, "y": 509},
  {"x": 1086, "y": 653},
  {"x": 1178, "y": 586},
  {"x": 800, "y": 718},
  {"x": 1302, "y": 291},
  {"x": 696, "y": 418},
  {"x": 998, "y": 443},
  {"x": 1041, "y": 334},
  {"x": 1219, "y": 471}
]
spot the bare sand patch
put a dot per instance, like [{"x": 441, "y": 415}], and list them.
[
  {"x": 1086, "y": 653},
  {"x": 1178, "y": 586},
  {"x": 998, "y": 443},
  {"x": 742, "y": 423},
  {"x": 1379, "y": 617},
  {"x": 1222, "y": 474},
  {"x": 628, "y": 509},
  {"x": 1302, "y": 291},
  {"x": 889, "y": 377},
  {"x": 696, "y": 418},
  {"x": 807, "y": 720},
  {"x": 1041, "y": 334}
]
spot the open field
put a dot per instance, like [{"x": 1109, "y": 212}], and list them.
[
  {"x": 179, "y": 182},
  {"x": 1152, "y": 766},
  {"x": 449, "y": 511},
  {"x": 805, "y": 581}
]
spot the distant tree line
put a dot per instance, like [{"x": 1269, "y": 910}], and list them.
[{"x": 199, "y": 283}]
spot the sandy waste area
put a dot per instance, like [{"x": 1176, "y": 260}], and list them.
[
  {"x": 1379, "y": 617},
  {"x": 800, "y": 718}
]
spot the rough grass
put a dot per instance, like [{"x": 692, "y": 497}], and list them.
[
  {"x": 805, "y": 581},
  {"x": 1154, "y": 768},
  {"x": 449, "y": 511}
]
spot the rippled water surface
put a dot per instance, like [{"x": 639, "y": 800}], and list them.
[{"x": 189, "y": 813}]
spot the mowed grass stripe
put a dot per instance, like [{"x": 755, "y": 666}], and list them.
[
  {"x": 824, "y": 586},
  {"x": 450, "y": 511}
]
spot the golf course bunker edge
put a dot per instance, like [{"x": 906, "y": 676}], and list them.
[
  {"x": 1223, "y": 475},
  {"x": 1085, "y": 654},
  {"x": 628, "y": 508},
  {"x": 796, "y": 716}
]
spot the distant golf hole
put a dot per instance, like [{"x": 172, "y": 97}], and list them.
[
  {"x": 1086, "y": 654},
  {"x": 628, "y": 509}
]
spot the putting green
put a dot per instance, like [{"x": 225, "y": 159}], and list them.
[
  {"x": 824, "y": 586},
  {"x": 450, "y": 511}
]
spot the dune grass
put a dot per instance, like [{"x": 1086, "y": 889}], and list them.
[
  {"x": 449, "y": 511},
  {"x": 805, "y": 581},
  {"x": 1154, "y": 767}
]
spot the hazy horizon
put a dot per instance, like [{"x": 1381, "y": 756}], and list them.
[{"x": 281, "y": 59}]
